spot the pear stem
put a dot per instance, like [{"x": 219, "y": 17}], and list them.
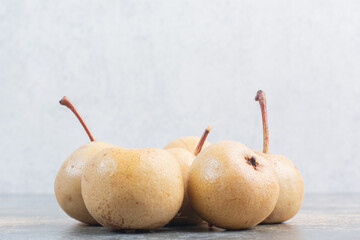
[
  {"x": 66, "y": 102},
  {"x": 261, "y": 98},
  {"x": 202, "y": 141}
]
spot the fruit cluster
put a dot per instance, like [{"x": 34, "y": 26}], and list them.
[{"x": 226, "y": 184}]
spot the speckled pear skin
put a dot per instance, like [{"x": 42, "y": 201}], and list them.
[
  {"x": 68, "y": 181},
  {"x": 227, "y": 191},
  {"x": 186, "y": 214},
  {"x": 133, "y": 188},
  {"x": 291, "y": 188},
  {"x": 188, "y": 143}
]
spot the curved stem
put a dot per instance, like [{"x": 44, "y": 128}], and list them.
[
  {"x": 260, "y": 96},
  {"x": 66, "y": 102},
  {"x": 202, "y": 141}
]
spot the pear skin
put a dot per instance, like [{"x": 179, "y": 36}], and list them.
[
  {"x": 68, "y": 181},
  {"x": 231, "y": 187},
  {"x": 290, "y": 180},
  {"x": 189, "y": 143},
  {"x": 186, "y": 214},
  {"x": 291, "y": 183},
  {"x": 67, "y": 185},
  {"x": 133, "y": 188}
]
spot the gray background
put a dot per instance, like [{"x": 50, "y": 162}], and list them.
[{"x": 145, "y": 72}]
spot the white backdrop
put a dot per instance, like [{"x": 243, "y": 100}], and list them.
[{"x": 145, "y": 72}]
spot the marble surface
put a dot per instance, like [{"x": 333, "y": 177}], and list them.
[{"x": 323, "y": 216}]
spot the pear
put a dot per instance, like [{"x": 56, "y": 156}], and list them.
[
  {"x": 232, "y": 187},
  {"x": 290, "y": 180},
  {"x": 129, "y": 189},
  {"x": 189, "y": 143},
  {"x": 68, "y": 180},
  {"x": 186, "y": 214}
]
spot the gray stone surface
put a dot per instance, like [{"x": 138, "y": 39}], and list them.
[{"x": 39, "y": 217}]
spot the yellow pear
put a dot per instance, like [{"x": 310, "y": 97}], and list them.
[
  {"x": 189, "y": 143},
  {"x": 126, "y": 189},
  {"x": 290, "y": 180},
  {"x": 186, "y": 214},
  {"x": 68, "y": 180},
  {"x": 231, "y": 187}
]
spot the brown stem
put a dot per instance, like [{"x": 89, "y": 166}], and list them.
[
  {"x": 260, "y": 96},
  {"x": 202, "y": 141},
  {"x": 66, "y": 102}
]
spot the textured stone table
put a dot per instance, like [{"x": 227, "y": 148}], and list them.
[{"x": 321, "y": 217}]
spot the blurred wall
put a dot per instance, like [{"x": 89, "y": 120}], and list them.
[{"x": 143, "y": 73}]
